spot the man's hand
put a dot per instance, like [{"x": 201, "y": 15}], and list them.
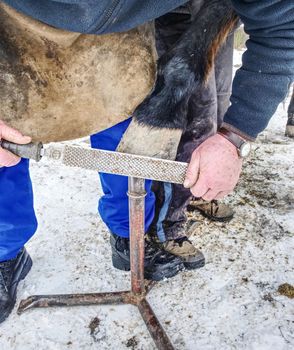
[
  {"x": 8, "y": 159},
  {"x": 214, "y": 169}
]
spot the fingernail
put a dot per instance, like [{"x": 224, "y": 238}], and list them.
[{"x": 187, "y": 183}]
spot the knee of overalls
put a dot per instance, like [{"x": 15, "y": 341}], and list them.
[
  {"x": 17, "y": 216},
  {"x": 113, "y": 205}
]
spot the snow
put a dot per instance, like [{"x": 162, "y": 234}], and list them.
[{"x": 231, "y": 303}]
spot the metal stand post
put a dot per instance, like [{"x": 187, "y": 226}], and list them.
[
  {"x": 138, "y": 291},
  {"x": 136, "y": 194}
]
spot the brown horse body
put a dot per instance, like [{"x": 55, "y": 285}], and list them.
[{"x": 57, "y": 85}]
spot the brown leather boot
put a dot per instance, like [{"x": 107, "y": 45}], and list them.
[
  {"x": 213, "y": 210},
  {"x": 191, "y": 257},
  {"x": 290, "y": 126},
  {"x": 182, "y": 247}
]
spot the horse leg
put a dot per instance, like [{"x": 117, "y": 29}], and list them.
[{"x": 160, "y": 119}]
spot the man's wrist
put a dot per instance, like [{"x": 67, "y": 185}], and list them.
[{"x": 242, "y": 145}]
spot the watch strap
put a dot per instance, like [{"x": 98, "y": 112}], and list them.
[{"x": 235, "y": 139}]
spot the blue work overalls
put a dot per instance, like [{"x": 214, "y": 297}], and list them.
[{"x": 17, "y": 216}]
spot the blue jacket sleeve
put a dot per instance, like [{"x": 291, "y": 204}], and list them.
[{"x": 267, "y": 65}]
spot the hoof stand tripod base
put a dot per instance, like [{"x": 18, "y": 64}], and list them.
[{"x": 137, "y": 295}]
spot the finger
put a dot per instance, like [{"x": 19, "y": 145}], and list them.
[
  {"x": 222, "y": 194},
  {"x": 200, "y": 188},
  {"x": 210, "y": 195},
  {"x": 8, "y": 159},
  {"x": 193, "y": 170},
  {"x": 12, "y": 135}
]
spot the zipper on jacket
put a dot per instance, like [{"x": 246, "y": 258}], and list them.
[{"x": 108, "y": 14}]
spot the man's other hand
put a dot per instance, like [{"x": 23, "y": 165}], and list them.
[
  {"x": 7, "y": 133},
  {"x": 214, "y": 169}
]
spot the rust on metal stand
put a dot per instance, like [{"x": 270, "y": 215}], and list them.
[
  {"x": 139, "y": 289},
  {"x": 137, "y": 194}
]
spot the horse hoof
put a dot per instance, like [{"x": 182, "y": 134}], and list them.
[{"x": 145, "y": 140}]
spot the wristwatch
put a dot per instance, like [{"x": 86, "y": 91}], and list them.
[{"x": 243, "y": 147}]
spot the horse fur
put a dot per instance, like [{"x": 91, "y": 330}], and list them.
[
  {"x": 57, "y": 85},
  {"x": 180, "y": 72},
  {"x": 186, "y": 66},
  {"x": 73, "y": 84}
]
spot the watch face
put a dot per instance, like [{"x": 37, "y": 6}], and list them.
[{"x": 245, "y": 149}]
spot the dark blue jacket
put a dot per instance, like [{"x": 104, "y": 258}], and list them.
[{"x": 268, "y": 64}]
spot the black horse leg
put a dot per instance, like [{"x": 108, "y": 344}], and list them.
[{"x": 160, "y": 119}]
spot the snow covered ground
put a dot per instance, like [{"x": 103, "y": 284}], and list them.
[{"x": 231, "y": 303}]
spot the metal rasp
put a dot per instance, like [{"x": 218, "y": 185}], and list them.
[{"x": 103, "y": 161}]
